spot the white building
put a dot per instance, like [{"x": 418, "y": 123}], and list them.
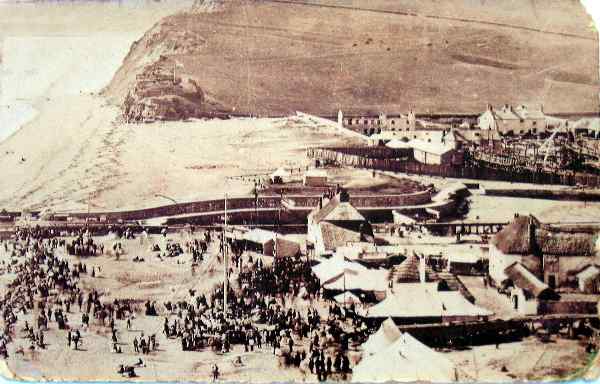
[{"x": 509, "y": 120}]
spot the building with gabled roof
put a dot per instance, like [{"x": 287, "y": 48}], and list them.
[
  {"x": 337, "y": 223},
  {"x": 509, "y": 120},
  {"x": 554, "y": 254}
]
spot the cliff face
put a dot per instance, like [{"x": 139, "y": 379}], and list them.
[
  {"x": 153, "y": 85},
  {"x": 273, "y": 58}
]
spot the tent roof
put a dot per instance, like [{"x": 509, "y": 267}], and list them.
[
  {"x": 406, "y": 359},
  {"x": 385, "y": 336},
  {"x": 333, "y": 267},
  {"x": 408, "y": 270},
  {"x": 364, "y": 280},
  {"x": 424, "y": 300},
  {"x": 259, "y": 236},
  {"x": 280, "y": 172},
  {"x": 347, "y": 297}
]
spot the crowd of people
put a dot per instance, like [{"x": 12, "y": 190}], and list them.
[{"x": 260, "y": 314}]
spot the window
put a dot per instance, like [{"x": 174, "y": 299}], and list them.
[
  {"x": 534, "y": 123},
  {"x": 393, "y": 122},
  {"x": 521, "y": 121}
]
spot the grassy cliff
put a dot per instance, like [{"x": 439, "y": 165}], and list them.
[{"x": 275, "y": 57}]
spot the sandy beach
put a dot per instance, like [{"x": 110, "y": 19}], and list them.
[{"x": 75, "y": 152}]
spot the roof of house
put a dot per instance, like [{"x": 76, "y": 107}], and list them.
[
  {"x": 334, "y": 235},
  {"x": 523, "y": 278},
  {"x": 565, "y": 244},
  {"x": 433, "y": 147},
  {"x": 526, "y": 235},
  {"x": 477, "y": 135},
  {"x": 336, "y": 210},
  {"x": 521, "y": 112}
]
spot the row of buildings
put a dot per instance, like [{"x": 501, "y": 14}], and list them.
[{"x": 507, "y": 120}]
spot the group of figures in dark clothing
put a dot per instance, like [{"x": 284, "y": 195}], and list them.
[
  {"x": 261, "y": 308},
  {"x": 84, "y": 246},
  {"x": 257, "y": 317},
  {"x": 48, "y": 287}
]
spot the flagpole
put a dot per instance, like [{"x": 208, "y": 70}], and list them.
[{"x": 225, "y": 264}]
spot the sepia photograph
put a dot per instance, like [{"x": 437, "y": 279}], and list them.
[{"x": 260, "y": 191}]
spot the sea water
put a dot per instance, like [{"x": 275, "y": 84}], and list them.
[{"x": 45, "y": 59}]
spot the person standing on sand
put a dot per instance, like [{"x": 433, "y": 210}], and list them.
[{"x": 215, "y": 372}]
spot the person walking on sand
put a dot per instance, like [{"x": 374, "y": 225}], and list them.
[{"x": 215, "y": 372}]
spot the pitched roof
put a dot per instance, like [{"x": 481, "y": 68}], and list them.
[
  {"x": 514, "y": 237},
  {"x": 406, "y": 359},
  {"x": 368, "y": 280},
  {"x": 347, "y": 298},
  {"x": 419, "y": 300},
  {"x": 259, "y": 236},
  {"x": 565, "y": 244},
  {"x": 334, "y": 235},
  {"x": 525, "y": 235},
  {"x": 433, "y": 147},
  {"x": 385, "y": 336},
  {"x": 335, "y": 210},
  {"x": 523, "y": 278},
  {"x": 329, "y": 269}
]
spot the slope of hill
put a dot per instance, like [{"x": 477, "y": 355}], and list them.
[{"x": 274, "y": 57}]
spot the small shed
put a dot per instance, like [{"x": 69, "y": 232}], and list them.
[{"x": 315, "y": 178}]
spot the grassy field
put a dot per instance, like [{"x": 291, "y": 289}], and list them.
[{"x": 275, "y": 57}]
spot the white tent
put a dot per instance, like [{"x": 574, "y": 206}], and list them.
[
  {"x": 385, "y": 336},
  {"x": 331, "y": 268},
  {"x": 423, "y": 300},
  {"x": 406, "y": 359},
  {"x": 259, "y": 236},
  {"x": 347, "y": 298},
  {"x": 363, "y": 280}
]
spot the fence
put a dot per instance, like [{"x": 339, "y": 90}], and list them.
[{"x": 471, "y": 169}]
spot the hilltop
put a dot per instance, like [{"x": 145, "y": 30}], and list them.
[{"x": 272, "y": 58}]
